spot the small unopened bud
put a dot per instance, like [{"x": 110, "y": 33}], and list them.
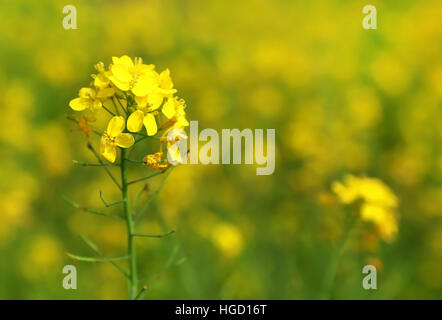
[{"x": 99, "y": 66}]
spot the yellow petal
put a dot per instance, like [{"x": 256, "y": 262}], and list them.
[
  {"x": 115, "y": 126},
  {"x": 106, "y": 93},
  {"x": 150, "y": 124},
  {"x": 135, "y": 121},
  {"x": 120, "y": 84},
  {"x": 165, "y": 80},
  {"x": 124, "y": 140},
  {"x": 77, "y": 104},
  {"x": 142, "y": 69},
  {"x": 141, "y": 101},
  {"x": 87, "y": 93},
  {"x": 181, "y": 122},
  {"x": 154, "y": 99},
  {"x": 146, "y": 84},
  {"x": 123, "y": 60},
  {"x": 121, "y": 73},
  {"x": 109, "y": 152},
  {"x": 169, "y": 108},
  {"x": 101, "y": 81}
]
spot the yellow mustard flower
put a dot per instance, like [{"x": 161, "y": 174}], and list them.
[
  {"x": 228, "y": 239},
  {"x": 142, "y": 116},
  {"x": 174, "y": 109},
  {"x": 383, "y": 217},
  {"x": 369, "y": 189},
  {"x": 89, "y": 98},
  {"x": 101, "y": 79},
  {"x": 137, "y": 77},
  {"x": 165, "y": 84},
  {"x": 114, "y": 137},
  {"x": 174, "y": 154},
  {"x": 152, "y": 101},
  {"x": 162, "y": 89},
  {"x": 378, "y": 206}
]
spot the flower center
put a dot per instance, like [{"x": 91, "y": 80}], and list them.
[
  {"x": 108, "y": 139},
  {"x": 134, "y": 80}
]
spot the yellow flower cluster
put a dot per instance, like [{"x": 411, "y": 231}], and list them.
[
  {"x": 139, "y": 91},
  {"x": 378, "y": 202}
]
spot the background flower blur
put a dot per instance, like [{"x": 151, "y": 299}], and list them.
[{"x": 342, "y": 100}]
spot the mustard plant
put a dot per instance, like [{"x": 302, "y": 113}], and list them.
[{"x": 140, "y": 103}]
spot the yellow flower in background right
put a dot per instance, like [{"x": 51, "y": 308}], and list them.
[{"x": 378, "y": 206}]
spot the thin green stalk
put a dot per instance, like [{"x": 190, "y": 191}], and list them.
[
  {"x": 85, "y": 209},
  {"x": 85, "y": 164},
  {"x": 104, "y": 167},
  {"x": 133, "y": 276},
  {"x": 121, "y": 105},
  {"x": 94, "y": 247},
  {"x": 134, "y": 161},
  {"x": 331, "y": 271},
  {"x": 141, "y": 293},
  {"x": 109, "y": 204},
  {"x": 144, "y": 189},
  {"x": 113, "y": 114},
  {"x": 148, "y": 177},
  {"x": 143, "y": 235},
  {"x": 152, "y": 197},
  {"x": 96, "y": 259},
  {"x": 115, "y": 106}
]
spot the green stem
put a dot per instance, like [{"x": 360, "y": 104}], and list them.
[
  {"x": 113, "y": 114},
  {"x": 331, "y": 271},
  {"x": 133, "y": 276},
  {"x": 154, "y": 235},
  {"x": 102, "y": 163},
  {"x": 148, "y": 177},
  {"x": 152, "y": 197},
  {"x": 121, "y": 105}
]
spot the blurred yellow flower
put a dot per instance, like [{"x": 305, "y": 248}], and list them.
[
  {"x": 378, "y": 202},
  {"x": 390, "y": 74},
  {"x": 228, "y": 239},
  {"x": 369, "y": 189},
  {"x": 18, "y": 107},
  {"x": 55, "y": 161},
  {"x": 83, "y": 124},
  {"x": 41, "y": 257},
  {"x": 114, "y": 137}
]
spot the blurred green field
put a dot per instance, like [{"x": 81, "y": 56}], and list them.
[{"x": 343, "y": 100}]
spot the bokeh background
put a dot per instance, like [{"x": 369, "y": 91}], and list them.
[{"x": 342, "y": 100}]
